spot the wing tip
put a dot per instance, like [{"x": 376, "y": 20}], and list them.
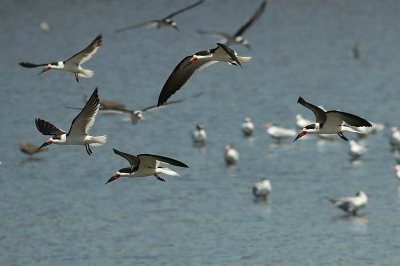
[{"x": 300, "y": 100}]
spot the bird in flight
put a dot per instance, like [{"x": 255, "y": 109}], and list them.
[
  {"x": 73, "y": 64},
  {"x": 164, "y": 22}
]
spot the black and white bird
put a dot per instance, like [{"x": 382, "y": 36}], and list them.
[
  {"x": 145, "y": 165},
  {"x": 199, "y": 135},
  {"x": 231, "y": 156},
  {"x": 78, "y": 132},
  {"x": 188, "y": 66},
  {"x": 247, "y": 127},
  {"x": 351, "y": 204},
  {"x": 237, "y": 37},
  {"x": 331, "y": 122},
  {"x": 30, "y": 149},
  {"x": 164, "y": 22},
  {"x": 73, "y": 64},
  {"x": 262, "y": 188}
]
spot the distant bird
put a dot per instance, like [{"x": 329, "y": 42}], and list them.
[
  {"x": 45, "y": 26},
  {"x": 394, "y": 140},
  {"x": 247, "y": 127},
  {"x": 73, "y": 64},
  {"x": 356, "y": 50},
  {"x": 331, "y": 122},
  {"x": 78, "y": 132},
  {"x": 396, "y": 170},
  {"x": 187, "y": 67},
  {"x": 262, "y": 188},
  {"x": 351, "y": 204},
  {"x": 356, "y": 150},
  {"x": 145, "y": 165},
  {"x": 231, "y": 155},
  {"x": 199, "y": 135},
  {"x": 365, "y": 131},
  {"x": 301, "y": 121},
  {"x": 30, "y": 149},
  {"x": 237, "y": 37},
  {"x": 164, "y": 22},
  {"x": 278, "y": 133}
]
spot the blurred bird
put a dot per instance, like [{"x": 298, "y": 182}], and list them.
[
  {"x": 45, "y": 26},
  {"x": 231, "y": 155},
  {"x": 356, "y": 50},
  {"x": 188, "y": 66},
  {"x": 394, "y": 140},
  {"x": 351, "y": 204},
  {"x": 145, "y": 165},
  {"x": 278, "y": 133},
  {"x": 73, "y": 64},
  {"x": 396, "y": 170},
  {"x": 237, "y": 37},
  {"x": 262, "y": 188},
  {"x": 199, "y": 135},
  {"x": 331, "y": 122},
  {"x": 247, "y": 127},
  {"x": 30, "y": 149},
  {"x": 164, "y": 22},
  {"x": 356, "y": 150},
  {"x": 375, "y": 128},
  {"x": 78, "y": 132}
]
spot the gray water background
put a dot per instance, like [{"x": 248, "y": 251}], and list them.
[{"x": 56, "y": 210}]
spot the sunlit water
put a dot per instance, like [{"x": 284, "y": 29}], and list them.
[{"x": 56, "y": 210}]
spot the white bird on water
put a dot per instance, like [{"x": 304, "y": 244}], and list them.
[
  {"x": 356, "y": 150},
  {"x": 278, "y": 133},
  {"x": 73, "y": 64},
  {"x": 247, "y": 127},
  {"x": 262, "y": 188},
  {"x": 145, "y": 165},
  {"x": 199, "y": 135},
  {"x": 351, "y": 204},
  {"x": 78, "y": 132},
  {"x": 231, "y": 155}
]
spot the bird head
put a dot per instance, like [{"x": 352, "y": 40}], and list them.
[
  {"x": 47, "y": 68},
  {"x": 48, "y": 142},
  {"x": 114, "y": 177}
]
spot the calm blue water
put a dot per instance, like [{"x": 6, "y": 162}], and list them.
[{"x": 56, "y": 210}]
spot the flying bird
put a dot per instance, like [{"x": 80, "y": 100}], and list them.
[
  {"x": 73, "y": 64},
  {"x": 145, "y": 165},
  {"x": 351, "y": 204},
  {"x": 78, "y": 132},
  {"x": 237, "y": 37},
  {"x": 331, "y": 122},
  {"x": 187, "y": 67},
  {"x": 164, "y": 22}
]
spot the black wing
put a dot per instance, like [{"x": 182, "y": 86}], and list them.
[
  {"x": 320, "y": 114},
  {"x": 183, "y": 9},
  {"x": 31, "y": 65},
  {"x": 47, "y": 128},
  {"x": 248, "y": 23},
  {"x": 165, "y": 160},
  {"x": 84, "y": 55},
  {"x": 351, "y": 119},
  {"x": 132, "y": 159}
]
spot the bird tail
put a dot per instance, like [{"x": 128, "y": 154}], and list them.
[
  {"x": 86, "y": 73},
  {"x": 331, "y": 200},
  {"x": 167, "y": 171},
  {"x": 244, "y": 59},
  {"x": 98, "y": 140}
]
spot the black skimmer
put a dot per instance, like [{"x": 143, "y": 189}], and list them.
[
  {"x": 199, "y": 135},
  {"x": 247, "y": 127},
  {"x": 231, "y": 155},
  {"x": 158, "y": 23},
  {"x": 279, "y": 133},
  {"x": 187, "y": 67},
  {"x": 356, "y": 150},
  {"x": 262, "y": 188},
  {"x": 30, "y": 149},
  {"x": 73, "y": 64},
  {"x": 78, "y": 132},
  {"x": 145, "y": 165},
  {"x": 237, "y": 37},
  {"x": 331, "y": 122},
  {"x": 351, "y": 204}
]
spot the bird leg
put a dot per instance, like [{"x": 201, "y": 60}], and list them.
[
  {"x": 159, "y": 177},
  {"x": 342, "y": 136},
  {"x": 76, "y": 77},
  {"x": 88, "y": 150}
]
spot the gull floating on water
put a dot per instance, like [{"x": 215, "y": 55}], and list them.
[
  {"x": 164, "y": 22},
  {"x": 231, "y": 155},
  {"x": 331, "y": 122},
  {"x": 356, "y": 150},
  {"x": 145, "y": 165},
  {"x": 78, "y": 132},
  {"x": 199, "y": 135},
  {"x": 73, "y": 64},
  {"x": 262, "y": 188},
  {"x": 278, "y": 133},
  {"x": 351, "y": 204},
  {"x": 247, "y": 127},
  {"x": 237, "y": 37},
  {"x": 190, "y": 64}
]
